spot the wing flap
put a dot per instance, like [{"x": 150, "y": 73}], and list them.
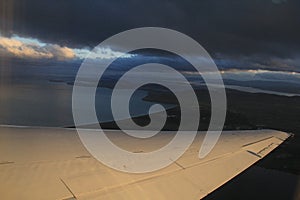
[{"x": 264, "y": 147}]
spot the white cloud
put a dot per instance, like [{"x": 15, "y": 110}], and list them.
[
  {"x": 61, "y": 53},
  {"x": 100, "y": 53},
  {"x": 35, "y": 49},
  {"x": 29, "y": 48}
]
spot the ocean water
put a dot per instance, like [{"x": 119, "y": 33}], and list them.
[{"x": 51, "y": 105}]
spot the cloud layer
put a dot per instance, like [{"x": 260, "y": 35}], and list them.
[
  {"x": 248, "y": 34},
  {"x": 28, "y": 48},
  {"x": 269, "y": 27}
]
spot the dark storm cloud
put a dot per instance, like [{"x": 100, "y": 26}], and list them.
[{"x": 233, "y": 28}]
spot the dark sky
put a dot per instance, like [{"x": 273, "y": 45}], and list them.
[{"x": 261, "y": 31}]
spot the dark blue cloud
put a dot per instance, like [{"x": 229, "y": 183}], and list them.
[{"x": 247, "y": 33}]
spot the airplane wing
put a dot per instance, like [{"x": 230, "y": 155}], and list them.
[{"x": 52, "y": 163}]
